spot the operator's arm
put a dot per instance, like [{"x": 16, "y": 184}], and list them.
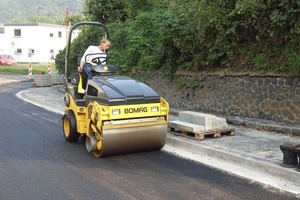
[
  {"x": 79, "y": 69},
  {"x": 82, "y": 62}
]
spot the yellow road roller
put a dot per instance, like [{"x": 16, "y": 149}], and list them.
[{"x": 115, "y": 114}]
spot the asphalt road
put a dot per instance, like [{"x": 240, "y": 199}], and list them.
[{"x": 37, "y": 163}]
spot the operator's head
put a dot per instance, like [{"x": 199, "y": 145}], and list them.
[{"x": 104, "y": 45}]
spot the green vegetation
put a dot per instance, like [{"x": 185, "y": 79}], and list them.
[
  {"x": 42, "y": 11},
  {"x": 168, "y": 35},
  {"x": 23, "y": 70}
]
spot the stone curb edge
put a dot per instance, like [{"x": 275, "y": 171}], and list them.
[
  {"x": 246, "y": 161},
  {"x": 53, "y": 108}
]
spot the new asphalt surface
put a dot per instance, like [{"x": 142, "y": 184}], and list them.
[{"x": 252, "y": 153}]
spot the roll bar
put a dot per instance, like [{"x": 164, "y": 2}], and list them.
[{"x": 68, "y": 47}]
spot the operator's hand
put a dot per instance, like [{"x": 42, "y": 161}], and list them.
[{"x": 79, "y": 69}]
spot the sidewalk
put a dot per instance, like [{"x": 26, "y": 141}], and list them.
[
  {"x": 250, "y": 153},
  {"x": 4, "y": 79}
]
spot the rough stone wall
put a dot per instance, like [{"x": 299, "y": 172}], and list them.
[{"x": 265, "y": 97}]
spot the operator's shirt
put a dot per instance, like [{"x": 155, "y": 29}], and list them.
[{"x": 93, "y": 50}]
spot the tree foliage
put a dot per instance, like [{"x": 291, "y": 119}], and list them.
[
  {"x": 107, "y": 11},
  {"x": 200, "y": 34}
]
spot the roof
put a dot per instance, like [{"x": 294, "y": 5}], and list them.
[{"x": 34, "y": 24}]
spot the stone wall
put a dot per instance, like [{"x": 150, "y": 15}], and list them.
[{"x": 266, "y": 97}]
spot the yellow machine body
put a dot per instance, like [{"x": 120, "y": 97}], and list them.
[{"x": 121, "y": 129}]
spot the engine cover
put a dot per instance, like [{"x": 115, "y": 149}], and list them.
[{"x": 119, "y": 90}]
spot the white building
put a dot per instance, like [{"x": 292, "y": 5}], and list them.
[{"x": 32, "y": 42}]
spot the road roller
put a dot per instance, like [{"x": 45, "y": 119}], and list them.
[{"x": 113, "y": 113}]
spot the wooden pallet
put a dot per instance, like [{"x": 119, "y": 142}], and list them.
[{"x": 201, "y": 135}]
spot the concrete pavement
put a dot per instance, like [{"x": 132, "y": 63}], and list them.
[
  {"x": 4, "y": 79},
  {"x": 250, "y": 153}
]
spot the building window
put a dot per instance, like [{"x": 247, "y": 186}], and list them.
[
  {"x": 51, "y": 35},
  {"x": 51, "y": 51},
  {"x": 18, "y": 51},
  {"x": 17, "y": 32},
  {"x": 31, "y": 51},
  {"x": 59, "y": 34},
  {"x": 2, "y": 30}
]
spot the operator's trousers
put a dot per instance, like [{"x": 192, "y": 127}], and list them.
[{"x": 88, "y": 74}]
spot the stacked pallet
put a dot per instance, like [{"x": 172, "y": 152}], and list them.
[
  {"x": 42, "y": 80},
  {"x": 57, "y": 79},
  {"x": 45, "y": 80},
  {"x": 198, "y": 125}
]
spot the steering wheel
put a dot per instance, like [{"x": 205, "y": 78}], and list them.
[{"x": 97, "y": 60}]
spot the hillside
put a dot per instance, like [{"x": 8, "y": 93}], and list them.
[{"x": 25, "y": 10}]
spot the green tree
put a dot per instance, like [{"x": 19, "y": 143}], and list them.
[
  {"x": 193, "y": 34},
  {"x": 107, "y": 11}
]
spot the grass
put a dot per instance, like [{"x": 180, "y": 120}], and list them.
[{"x": 23, "y": 70}]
